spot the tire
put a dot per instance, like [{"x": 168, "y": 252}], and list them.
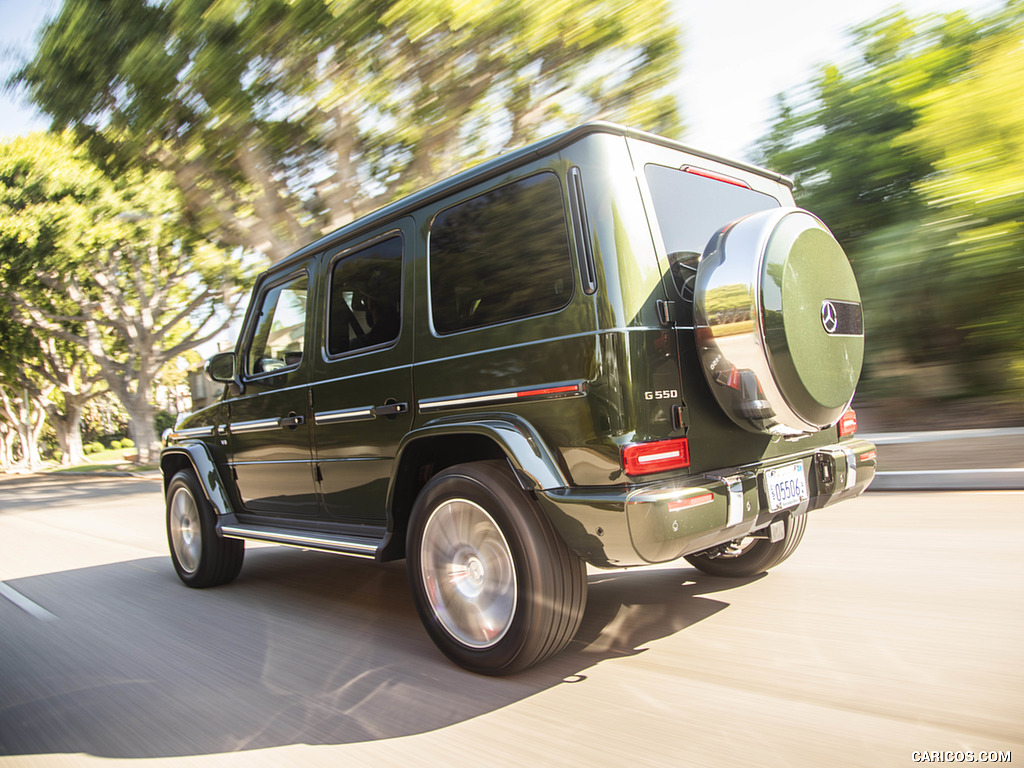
[
  {"x": 751, "y": 556},
  {"x": 201, "y": 558},
  {"x": 495, "y": 585}
]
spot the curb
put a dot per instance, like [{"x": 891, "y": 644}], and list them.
[
  {"x": 1003, "y": 479},
  {"x": 992, "y": 479}
]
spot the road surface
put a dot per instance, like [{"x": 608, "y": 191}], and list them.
[{"x": 897, "y": 628}]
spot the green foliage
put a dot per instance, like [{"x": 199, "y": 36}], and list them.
[
  {"x": 285, "y": 117},
  {"x": 109, "y": 268},
  {"x": 126, "y": 443},
  {"x": 91, "y": 448},
  {"x": 913, "y": 154},
  {"x": 164, "y": 420}
]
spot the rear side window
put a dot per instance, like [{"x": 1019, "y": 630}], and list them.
[
  {"x": 691, "y": 209},
  {"x": 500, "y": 256},
  {"x": 364, "y": 309}
]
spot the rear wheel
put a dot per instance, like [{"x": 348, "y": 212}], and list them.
[
  {"x": 201, "y": 558},
  {"x": 750, "y": 556},
  {"x": 496, "y": 587}
]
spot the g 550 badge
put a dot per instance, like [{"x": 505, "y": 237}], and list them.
[{"x": 661, "y": 394}]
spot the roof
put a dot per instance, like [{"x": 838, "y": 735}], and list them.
[{"x": 501, "y": 164}]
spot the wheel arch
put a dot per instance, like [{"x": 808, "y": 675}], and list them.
[
  {"x": 446, "y": 442},
  {"x": 196, "y": 457}
]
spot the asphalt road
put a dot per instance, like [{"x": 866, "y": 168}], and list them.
[{"x": 896, "y": 628}]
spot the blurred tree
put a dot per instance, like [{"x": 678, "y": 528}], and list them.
[
  {"x": 282, "y": 119},
  {"x": 973, "y": 228},
  {"x": 53, "y": 377},
  {"x": 19, "y": 406},
  {"x": 842, "y": 143},
  {"x": 912, "y": 155},
  {"x": 112, "y": 269},
  {"x": 7, "y": 436},
  {"x": 43, "y": 377}
]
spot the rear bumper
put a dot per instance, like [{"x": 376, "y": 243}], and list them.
[{"x": 662, "y": 521}]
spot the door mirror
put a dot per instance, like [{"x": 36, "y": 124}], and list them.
[{"x": 221, "y": 367}]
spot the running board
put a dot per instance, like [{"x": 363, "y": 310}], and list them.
[{"x": 351, "y": 546}]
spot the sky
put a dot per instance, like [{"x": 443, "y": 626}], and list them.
[{"x": 737, "y": 55}]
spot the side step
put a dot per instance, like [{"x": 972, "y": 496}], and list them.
[{"x": 351, "y": 546}]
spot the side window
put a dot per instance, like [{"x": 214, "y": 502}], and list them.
[
  {"x": 500, "y": 256},
  {"x": 365, "y": 305},
  {"x": 279, "y": 337}
]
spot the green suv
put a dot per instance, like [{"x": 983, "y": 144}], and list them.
[{"x": 604, "y": 348}]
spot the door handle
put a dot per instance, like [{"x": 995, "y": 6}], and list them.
[
  {"x": 390, "y": 409},
  {"x": 291, "y": 421}
]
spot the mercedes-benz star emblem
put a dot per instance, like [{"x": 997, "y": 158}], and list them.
[{"x": 829, "y": 317}]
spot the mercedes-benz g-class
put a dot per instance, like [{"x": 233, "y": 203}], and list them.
[{"x": 604, "y": 348}]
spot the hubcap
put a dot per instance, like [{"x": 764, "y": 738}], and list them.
[
  {"x": 186, "y": 535},
  {"x": 468, "y": 573}
]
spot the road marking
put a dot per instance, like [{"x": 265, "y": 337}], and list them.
[{"x": 24, "y": 603}]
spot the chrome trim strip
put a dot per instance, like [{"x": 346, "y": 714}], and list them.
[
  {"x": 261, "y": 425},
  {"x": 349, "y": 414},
  {"x": 426, "y": 406},
  {"x": 265, "y": 463},
  {"x": 192, "y": 432},
  {"x": 851, "y": 467},
  {"x": 339, "y": 546},
  {"x": 534, "y": 392}
]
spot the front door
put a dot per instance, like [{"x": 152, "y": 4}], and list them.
[
  {"x": 363, "y": 396},
  {"x": 269, "y": 426}
]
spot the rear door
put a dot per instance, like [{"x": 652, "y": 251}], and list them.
[{"x": 361, "y": 402}]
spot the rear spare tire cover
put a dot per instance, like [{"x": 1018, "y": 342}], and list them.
[{"x": 779, "y": 322}]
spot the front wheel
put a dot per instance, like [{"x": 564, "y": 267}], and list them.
[
  {"x": 750, "y": 556},
  {"x": 201, "y": 558},
  {"x": 496, "y": 587}
]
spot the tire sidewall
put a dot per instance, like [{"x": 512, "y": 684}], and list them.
[
  {"x": 504, "y": 502},
  {"x": 758, "y": 558},
  {"x": 184, "y": 480}
]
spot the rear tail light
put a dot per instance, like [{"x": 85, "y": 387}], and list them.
[
  {"x": 848, "y": 424},
  {"x": 661, "y": 456}
]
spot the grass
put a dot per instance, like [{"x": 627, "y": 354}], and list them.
[{"x": 107, "y": 461}]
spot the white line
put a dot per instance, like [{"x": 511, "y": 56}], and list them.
[{"x": 25, "y": 604}]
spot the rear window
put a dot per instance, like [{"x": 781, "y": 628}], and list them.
[
  {"x": 690, "y": 209},
  {"x": 500, "y": 256}
]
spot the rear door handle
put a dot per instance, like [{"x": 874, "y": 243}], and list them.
[
  {"x": 391, "y": 409},
  {"x": 291, "y": 421}
]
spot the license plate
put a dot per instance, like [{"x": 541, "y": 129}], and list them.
[{"x": 786, "y": 486}]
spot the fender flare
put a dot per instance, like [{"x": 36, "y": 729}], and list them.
[
  {"x": 533, "y": 463},
  {"x": 198, "y": 456}
]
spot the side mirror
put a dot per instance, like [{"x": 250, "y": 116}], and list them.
[{"x": 221, "y": 367}]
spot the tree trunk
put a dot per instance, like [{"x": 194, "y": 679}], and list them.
[
  {"x": 6, "y": 447},
  {"x": 68, "y": 427},
  {"x": 29, "y": 427},
  {"x": 142, "y": 429}
]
